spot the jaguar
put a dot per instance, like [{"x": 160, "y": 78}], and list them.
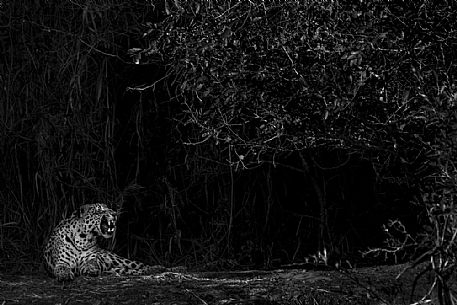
[{"x": 72, "y": 247}]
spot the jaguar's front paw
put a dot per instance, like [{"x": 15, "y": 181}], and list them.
[{"x": 63, "y": 273}]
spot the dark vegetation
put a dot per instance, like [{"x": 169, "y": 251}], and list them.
[{"x": 233, "y": 134}]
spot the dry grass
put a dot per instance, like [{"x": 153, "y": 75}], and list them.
[{"x": 57, "y": 112}]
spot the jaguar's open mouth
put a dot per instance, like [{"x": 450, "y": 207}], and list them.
[{"x": 107, "y": 226}]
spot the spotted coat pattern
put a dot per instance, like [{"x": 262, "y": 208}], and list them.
[{"x": 72, "y": 248}]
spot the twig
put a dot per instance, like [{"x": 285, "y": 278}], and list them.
[{"x": 196, "y": 296}]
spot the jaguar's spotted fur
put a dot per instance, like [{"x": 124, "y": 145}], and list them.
[{"x": 72, "y": 247}]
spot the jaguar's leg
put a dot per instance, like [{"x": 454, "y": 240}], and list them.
[
  {"x": 60, "y": 262},
  {"x": 91, "y": 266},
  {"x": 119, "y": 265}
]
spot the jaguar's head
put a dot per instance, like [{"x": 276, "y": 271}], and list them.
[{"x": 98, "y": 219}]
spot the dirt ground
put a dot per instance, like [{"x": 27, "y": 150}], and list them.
[{"x": 373, "y": 286}]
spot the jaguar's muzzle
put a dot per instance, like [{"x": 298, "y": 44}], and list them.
[{"x": 107, "y": 226}]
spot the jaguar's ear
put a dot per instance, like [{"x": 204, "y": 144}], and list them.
[{"x": 81, "y": 210}]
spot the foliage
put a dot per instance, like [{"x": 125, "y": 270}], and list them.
[
  {"x": 376, "y": 79},
  {"x": 300, "y": 74}
]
